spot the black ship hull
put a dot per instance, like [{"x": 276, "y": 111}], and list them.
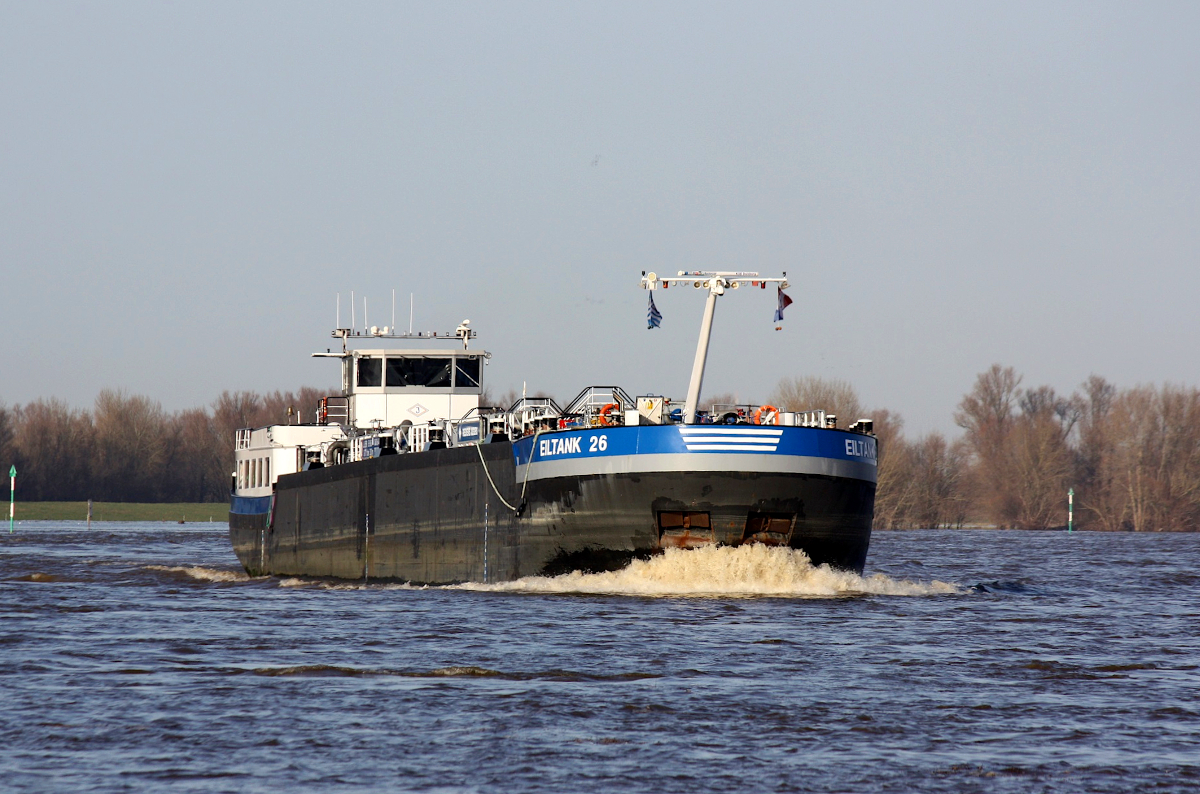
[{"x": 440, "y": 516}]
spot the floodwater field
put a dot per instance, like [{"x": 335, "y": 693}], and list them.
[{"x": 138, "y": 657}]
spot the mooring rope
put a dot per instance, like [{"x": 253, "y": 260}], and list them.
[{"x": 517, "y": 510}]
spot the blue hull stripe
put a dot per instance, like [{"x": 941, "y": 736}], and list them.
[
  {"x": 250, "y": 505},
  {"x": 774, "y": 448}
]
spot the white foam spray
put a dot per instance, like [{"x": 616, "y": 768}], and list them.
[
  {"x": 323, "y": 584},
  {"x": 750, "y": 570},
  {"x": 202, "y": 574}
]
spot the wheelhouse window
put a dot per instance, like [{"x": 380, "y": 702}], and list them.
[
  {"x": 370, "y": 372},
  {"x": 466, "y": 372},
  {"x": 432, "y": 372}
]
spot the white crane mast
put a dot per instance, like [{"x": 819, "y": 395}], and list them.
[{"x": 716, "y": 282}]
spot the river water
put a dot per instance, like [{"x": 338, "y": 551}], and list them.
[{"x": 138, "y": 657}]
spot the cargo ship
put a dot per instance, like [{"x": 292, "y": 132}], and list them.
[{"x": 405, "y": 476}]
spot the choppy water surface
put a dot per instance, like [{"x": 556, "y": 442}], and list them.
[{"x": 134, "y": 657}]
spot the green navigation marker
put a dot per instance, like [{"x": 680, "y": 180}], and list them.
[
  {"x": 12, "y": 495},
  {"x": 1070, "y": 510}
]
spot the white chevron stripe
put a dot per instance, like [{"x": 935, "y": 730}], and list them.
[
  {"x": 727, "y": 430},
  {"x": 731, "y": 447},
  {"x": 710, "y": 438}
]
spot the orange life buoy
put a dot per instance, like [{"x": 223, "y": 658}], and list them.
[
  {"x": 772, "y": 415},
  {"x": 605, "y": 411}
]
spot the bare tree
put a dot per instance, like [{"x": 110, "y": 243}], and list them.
[
  {"x": 232, "y": 411},
  {"x": 894, "y": 480},
  {"x": 1135, "y": 454},
  {"x": 1041, "y": 458},
  {"x": 809, "y": 393},
  {"x": 937, "y": 468},
  {"x": 7, "y": 452},
  {"x": 1101, "y": 500},
  {"x": 131, "y": 449},
  {"x": 303, "y": 404},
  {"x": 1178, "y": 470},
  {"x": 920, "y": 484},
  {"x": 988, "y": 415},
  {"x": 53, "y": 446},
  {"x": 1155, "y": 457},
  {"x": 202, "y": 464}
]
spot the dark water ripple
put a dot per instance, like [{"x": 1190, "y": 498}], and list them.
[{"x": 137, "y": 657}]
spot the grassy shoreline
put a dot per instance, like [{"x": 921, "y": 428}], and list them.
[{"x": 123, "y": 511}]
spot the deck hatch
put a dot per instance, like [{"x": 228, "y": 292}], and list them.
[
  {"x": 771, "y": 528},
  {"x": 684, "y": 528}
]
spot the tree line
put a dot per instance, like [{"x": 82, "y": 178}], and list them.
[
  {"x": 128, "y": 449},
  {"x": 1131, "y": 455}
]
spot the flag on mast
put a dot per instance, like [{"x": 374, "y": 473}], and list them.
[
  {"x": 653, "y": 315},
  {"x": 784, "y": 302}
]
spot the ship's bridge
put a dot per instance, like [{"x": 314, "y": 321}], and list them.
[{"x": 386, "y": 387}]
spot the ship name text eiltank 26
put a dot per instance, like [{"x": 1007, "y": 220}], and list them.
[
  {"x": 549, "y": 447},
  {"x": 861, "y": 448}
]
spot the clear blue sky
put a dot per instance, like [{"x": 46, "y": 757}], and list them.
[{"x": 184, "y": 188}]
